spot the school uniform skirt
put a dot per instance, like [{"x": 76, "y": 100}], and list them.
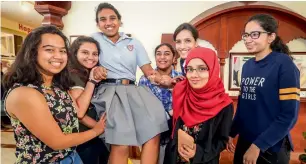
[{"x": 134, "y": 114}]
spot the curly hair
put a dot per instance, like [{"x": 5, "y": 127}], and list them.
[{"x": 25, "y": 68}]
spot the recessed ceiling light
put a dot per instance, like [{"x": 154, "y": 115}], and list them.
[
  {"x": 26, "y": 5},
  {"x": 23, "y": 6}
]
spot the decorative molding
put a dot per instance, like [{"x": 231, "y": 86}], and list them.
[
  {"x": 53, "y": 12},
  {"x": 298, "y": 37},
  {"x": 222, "y": 25},
  {"x": 11, "y": 146},
  {"x": 222, "y": 63}
]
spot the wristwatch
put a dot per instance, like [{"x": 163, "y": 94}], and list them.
[{"x": 92, "y": 81}]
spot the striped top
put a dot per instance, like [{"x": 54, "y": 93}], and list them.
[{"x": 269, "y": 101}]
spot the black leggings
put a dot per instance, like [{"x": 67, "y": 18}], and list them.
[
  {"x": 281, "y": 157},
  {"x": 93, "y": 152}
]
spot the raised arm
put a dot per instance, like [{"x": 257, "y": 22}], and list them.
[
  {"x": 83, "y": 96},
  {"x": 30, "y": 107},
  {"x": 155, "y": 77}
]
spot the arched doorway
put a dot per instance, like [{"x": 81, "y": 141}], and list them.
[{"x": 222, "y": 25}]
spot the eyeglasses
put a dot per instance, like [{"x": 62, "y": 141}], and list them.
[
  {"x": 253, "y": 34},
  {"x": 199, "y": 70}
]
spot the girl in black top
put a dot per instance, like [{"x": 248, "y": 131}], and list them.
[{"x": 84, "y": 58}]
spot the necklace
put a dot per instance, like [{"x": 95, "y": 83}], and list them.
[{"x": 46, "y": 87}]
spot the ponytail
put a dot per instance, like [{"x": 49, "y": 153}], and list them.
[
  {"x": 279, "y": 46},
  {"x": 270, "y": 24}
]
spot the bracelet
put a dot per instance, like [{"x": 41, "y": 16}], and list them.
[{"x": 93, "y": 81}]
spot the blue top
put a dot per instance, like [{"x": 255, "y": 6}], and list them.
[
  {"x": 269, "y": 101},
  {"x": 182, "y": 62},
  {"x": 121, "y": 58},
  {"x": 163, "y": 94}
]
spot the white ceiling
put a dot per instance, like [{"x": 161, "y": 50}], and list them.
[{"x": 13, "y": 10}]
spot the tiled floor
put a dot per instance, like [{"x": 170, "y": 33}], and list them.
[{"x": 8, "y": 157}]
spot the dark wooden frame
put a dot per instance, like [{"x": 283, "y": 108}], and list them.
[
  {"x": 73, "y": 37},
  {"x": 230, "y": 78},
  {"x": 304, "y": 57}
]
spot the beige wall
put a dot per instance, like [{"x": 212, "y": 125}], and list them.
[
  {"x": 10, "y": 26},
  {"x": 146, "y": 21}
]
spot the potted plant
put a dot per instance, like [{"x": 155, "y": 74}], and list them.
[{"x": 302, "y": 157}]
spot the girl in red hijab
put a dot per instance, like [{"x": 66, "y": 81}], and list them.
[{"x": 202, "y": 112}]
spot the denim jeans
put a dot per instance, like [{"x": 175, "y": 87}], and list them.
[{"x": 73, "y": 158}]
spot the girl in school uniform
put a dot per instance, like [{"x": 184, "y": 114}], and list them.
[{"x": 134, "y": 114}]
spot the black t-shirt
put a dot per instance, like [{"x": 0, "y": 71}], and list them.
[{"x": 91, "y": 112}]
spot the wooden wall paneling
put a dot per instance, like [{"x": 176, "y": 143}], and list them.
[
  {"x": 223, "y": 46},
  {"x": 298, "y": 141},
  {"x": 236, "y": 27},
  {"x": 168, "y": 38},
  {"x": 210, "y": 31},
  {"x": 289, "y": 32},
  {"x": 223, "y": 27}
]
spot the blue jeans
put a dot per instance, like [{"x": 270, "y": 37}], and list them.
[{"x": 73, "y": 158}]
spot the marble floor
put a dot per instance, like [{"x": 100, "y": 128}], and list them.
[{"x": 8, "y": 149}]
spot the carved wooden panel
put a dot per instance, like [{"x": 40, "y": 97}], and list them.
[
  {"x": 222, "y": 27},
  {"x": 53, "y": 11}
]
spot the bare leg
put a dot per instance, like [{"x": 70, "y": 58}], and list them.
[
  {"x": 150, "y": 151},
  {"x": 119, "y": 154}
]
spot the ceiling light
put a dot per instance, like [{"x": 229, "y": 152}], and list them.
[{"x": 26, "y": 5}]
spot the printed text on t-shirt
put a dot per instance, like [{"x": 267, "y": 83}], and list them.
[{"x": 249, "y": 85}]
